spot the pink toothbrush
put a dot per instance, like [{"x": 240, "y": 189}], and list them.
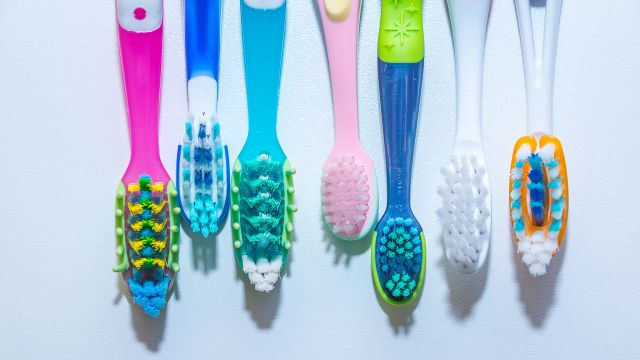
[
  {"x": 349, "y": 186},
  {"x": 148, "y": 227}
]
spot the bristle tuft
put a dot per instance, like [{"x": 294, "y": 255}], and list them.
[
  {"x": 464, "y": 210},
  {"x": 345, "y": 196},
  {"x": 203, "y": 182}
]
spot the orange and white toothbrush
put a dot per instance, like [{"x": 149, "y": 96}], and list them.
[{"x": 539, "y": 192}]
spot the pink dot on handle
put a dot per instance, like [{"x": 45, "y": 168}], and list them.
[{"x": 140, "y": 13}]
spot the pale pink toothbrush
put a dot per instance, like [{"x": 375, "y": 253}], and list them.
[{"x": 349, "y": 186}]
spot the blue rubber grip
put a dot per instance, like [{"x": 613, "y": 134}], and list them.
[
  {"x": 263, "y": 44},
  {"x": 202, "y": 37},
  {"x": 400, "y": 88}
]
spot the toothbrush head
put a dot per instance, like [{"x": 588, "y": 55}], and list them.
[
  {"x": 539, "y": 193},
  {"x": 349, "y": 193},
  {"x": 203, "y": 169},
  {"x": 147, "y": 236},
  {"x": 465, "y": 212},
  {"x": 399, "y": 258},
  {"x": 262, "y": 213}
]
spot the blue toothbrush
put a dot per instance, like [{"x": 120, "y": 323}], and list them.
[
  {"x": 398, "y": 247},
  {"x": 203, "y": 161},
  {"x": 262, "y": 188}
]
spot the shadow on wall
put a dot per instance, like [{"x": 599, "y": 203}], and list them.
[
  {"x": 263, "y": 307},
  {"x": 344, "y": 250},
  {"x": 401, "y": 317},
  {"x": 465, "y": 290},
  {"x": 537, "y": 294},
  {"x": 149, "y": 331},
  {"x": 204, "y": 252}
]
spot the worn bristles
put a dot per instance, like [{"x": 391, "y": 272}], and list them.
[
  {"x": 536, "y": 248},
  {"x": 262, "y": 204},
  {"x": 345, "y": 195},
  {"x": 399, "y": 258},
  {"x": 147, "y": 238},
  {"x": 464, "y": 209},
  {"x": 202, "y": 174}
]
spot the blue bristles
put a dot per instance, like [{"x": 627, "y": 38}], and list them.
[
  {"x": 150, "y": 296},
  {"x": 399, "y": 258},
  {"x": 537, "y": 192}
]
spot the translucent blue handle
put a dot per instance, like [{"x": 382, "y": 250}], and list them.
[
  {"x": 202, "y": 37},
  {"x": 400, "y": 88},
  {"x": 263, "y": 44}
]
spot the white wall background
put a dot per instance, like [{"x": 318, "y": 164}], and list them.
[{"x": 64, "y": 145}]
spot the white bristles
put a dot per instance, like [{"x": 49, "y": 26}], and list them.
[
  {"x": 547, "y": 152},
  {"x": 263, "y": 274},
  {"x": 345, "y": 196},
  {"x": 464, "y": 210},
  {"x": 537, "y": 251},
  {"x": 524, "y": 152}
]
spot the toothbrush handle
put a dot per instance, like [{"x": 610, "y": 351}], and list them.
[
  {"x": 202, "y": 37},
  {"x": 539, "y": 70},
  {"x": 340, "y": 20},
  {"x": 141, "y": 55},
  {"x": 202, "y": 42},
  {"x": 400, "y": 64},
  {"x": 400, "y": 88},
  {"x": 263, "y": 44},
  {"x": 469, "y": 27}
]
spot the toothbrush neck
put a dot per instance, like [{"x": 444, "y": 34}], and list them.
[
  {"x": 263, "y": 42},
  {"x": 141, "y": 55},
  {"x": 469, "y": 29},
  {"x": 400, "y": 88},
  {"x": 341, "y": 38},
  {"x": 539, "y": 102},
  {"x": 202, "y": 43}
]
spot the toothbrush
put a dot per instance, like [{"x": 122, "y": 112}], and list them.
[
  {"x": 203, "y": 159},
  {"x": 349, "y": 185},
  {"x": 398, "y": 249},
  {"x": 539, "y": 188},
  {"x": 262, "y": 188},
  {"x": 147, "y": 214},
  {"x": 466, "y": 199}
]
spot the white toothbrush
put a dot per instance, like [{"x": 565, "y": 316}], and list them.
[{"x": 466, "y": 199}]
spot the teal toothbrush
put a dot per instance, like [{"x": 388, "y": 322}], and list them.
[{"x": 261, "y": 186}]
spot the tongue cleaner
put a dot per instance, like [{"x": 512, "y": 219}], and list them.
[
  {"x": 203, "y": 161},
  {"x": 147, "y": 215},
  {"x": 538, "y": 187},
  {"x": 349, "y": 186}
]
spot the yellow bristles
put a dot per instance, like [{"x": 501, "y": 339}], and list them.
[
  {"x": 157, "y": 187},
  {"x": 158, "y": 245},
  {"x": 137, "y": 226},
  {"x": 157, "y": 227},
  {"x": 136, "y": 245},
  {"x": 159, "y": 263},
  {"x": 134, "y": 188},
  {"x": 157, "y": 208},
  {"x": 138, "y": 262},
  {"x": 135, "y": 209}
]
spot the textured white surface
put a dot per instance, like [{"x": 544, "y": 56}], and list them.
[{"x": 64, "y": 146}]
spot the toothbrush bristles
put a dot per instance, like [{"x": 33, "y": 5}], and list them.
[
  {"x": 464, "y": 209},
  {"x": 345, "y": 195}
]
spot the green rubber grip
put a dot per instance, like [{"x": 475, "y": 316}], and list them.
[{"x": 401, "y": 37}]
